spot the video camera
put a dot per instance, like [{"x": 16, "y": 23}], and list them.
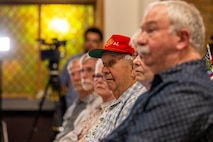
[{"x": 53, "y": 53}]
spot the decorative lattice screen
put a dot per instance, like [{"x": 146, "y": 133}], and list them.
[{"x": 24, "y": 74}]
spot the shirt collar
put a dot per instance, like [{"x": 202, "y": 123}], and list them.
[
  {"x": 174, "y": 72},
  {"x": 127, "y": 94}
]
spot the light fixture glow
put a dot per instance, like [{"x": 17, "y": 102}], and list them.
[
  {"x": 60, "y": 25},
  {"x": 4, "y": 44}
]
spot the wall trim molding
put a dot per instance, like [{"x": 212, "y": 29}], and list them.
[{"x": 48, "y": 2}]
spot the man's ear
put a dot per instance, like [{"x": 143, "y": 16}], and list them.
[
  {"x": 183, "y": 39},
  {"x": 133, "y": 72}
]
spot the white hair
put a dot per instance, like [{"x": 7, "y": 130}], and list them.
[
  {"x": 99, "y": 64},
  {"x": 84, "y": 58},
  {"x": 128, "y": 58},
  {"x": 184, "y": 15},
  {"x": 71, "y": 63},
  {"x": 134, "y": 37}
]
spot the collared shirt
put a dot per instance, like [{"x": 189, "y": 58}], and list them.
[
  {"x": 86, "y": 123},
  {"x": 91, "y": 101},
  {"x": 96, "y": 101},
  {"x": 178, "y": 108},
  {"x": 115, "y": 114}
]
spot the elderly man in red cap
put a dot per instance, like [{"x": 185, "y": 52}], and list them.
[{"x": 117, "y": 57}]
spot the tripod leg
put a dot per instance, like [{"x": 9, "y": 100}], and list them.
[
  {"x": 59, "y": 111},
  {"x": 41, "y": 103}
]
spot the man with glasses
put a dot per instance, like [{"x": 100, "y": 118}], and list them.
[
  {"x": 92, "y": 39},
  {"x": 82, "y": 126},
  {"x": 81, "y": 74},
  {"x": 119, "y": 75}
]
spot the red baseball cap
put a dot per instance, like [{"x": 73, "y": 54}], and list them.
[{"x": 116, "y": 43}]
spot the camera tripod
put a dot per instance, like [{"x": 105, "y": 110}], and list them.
[{"x": 53, "y": 82}]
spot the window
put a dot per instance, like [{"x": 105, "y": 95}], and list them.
[{"x": 24, "y": 73}]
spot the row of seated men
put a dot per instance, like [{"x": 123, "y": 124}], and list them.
[
  {"x": 151, "y": 88},
  {"x": 102, "y": 104}
]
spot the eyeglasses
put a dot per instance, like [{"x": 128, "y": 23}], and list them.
[{"x": 96, "y": 76}]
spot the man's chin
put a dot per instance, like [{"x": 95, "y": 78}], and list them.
[
  {"x": 87, "y": 87},
  {"x": 78, "y": 89}
]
